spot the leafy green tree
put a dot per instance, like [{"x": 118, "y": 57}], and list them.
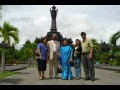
[
  {"x": 0, "y": 11},
  {"x": 96, "y": 45},
  {"x": 9, "y": 57},
  {"x": 27, "y": 51},
  {"x": 0, "y": 55},
  {"x": 8, "y": 31},
  {"x": 113, "y": 40}
]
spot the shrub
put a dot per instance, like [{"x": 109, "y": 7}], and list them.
[{"x": 102, "y": 58}]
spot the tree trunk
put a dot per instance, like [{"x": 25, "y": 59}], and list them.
[
  {"x": 3, "y": 61},
  {"x": 34, "y": 59},
  {"x": 28, "y": 62}
]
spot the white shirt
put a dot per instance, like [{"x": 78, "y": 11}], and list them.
[
  {"x": 75, "y": 50},
  {"x": 54, "y": 45}
]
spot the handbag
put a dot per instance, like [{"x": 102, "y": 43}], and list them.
[
  {"x": 59, "y": 69},
  {"x": 72, "y": 64}
]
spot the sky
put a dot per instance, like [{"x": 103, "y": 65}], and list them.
[{"x": 98, "y": 21}]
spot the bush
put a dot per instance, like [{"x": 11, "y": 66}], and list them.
[
  {"x": 18, "y": 62},
  {"x": 102, "y": 58},
  {"x": 116, "y": 60},
  {"x": 9, "y": 61},
  {"x": 114, "y": 63}
]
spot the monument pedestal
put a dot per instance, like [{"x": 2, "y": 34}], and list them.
[
  {"x": 59, "y": 36},
  {"x": 53, "y": 29}
]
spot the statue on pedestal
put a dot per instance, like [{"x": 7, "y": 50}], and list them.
[{"x": 53, "y": 12}]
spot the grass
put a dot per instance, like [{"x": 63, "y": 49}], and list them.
[{"x": 6, "y": 74}]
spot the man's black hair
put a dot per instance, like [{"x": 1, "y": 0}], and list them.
[{"x": 83, "y": 33}]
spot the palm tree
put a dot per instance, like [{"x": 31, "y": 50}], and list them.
[
  {"x": 0, "y": 16},
  {"x": 113, "y": 40},
  {"x": 96, "y": 45},
  {"x": 7, "y": 32},
  {"x": 0, "y": 11}
]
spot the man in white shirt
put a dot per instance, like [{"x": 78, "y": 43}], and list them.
[{"x": 53, "y": 49}]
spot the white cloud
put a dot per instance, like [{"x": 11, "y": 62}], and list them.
[
  {"x": 71, "y": 24},
  {"x": 113, "y": 28},
  {"x": 98, "y": 22},
  {"x": 32, "y": 29},
  {"x": 40, "y": 20},
  {"x": 75, "y": 23}
]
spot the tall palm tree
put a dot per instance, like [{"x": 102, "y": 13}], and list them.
[
  {"x": 96, "y": 45},
  {"x": 0, "y": 11},
  {"x": 113, "y": 40},
  {"x": 0, "y": 17},
  {"x": 8, "y": 31}
]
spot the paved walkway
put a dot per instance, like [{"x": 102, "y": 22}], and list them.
[
  {"x": 30, "y": 77},
  {"x": 24, "y": 66}
]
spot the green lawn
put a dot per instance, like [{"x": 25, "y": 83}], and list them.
[{"x": 6, "y": 74}]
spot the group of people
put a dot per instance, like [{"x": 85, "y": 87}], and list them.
[{"x": 55, "y": 54}]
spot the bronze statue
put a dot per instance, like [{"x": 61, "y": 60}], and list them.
[{"x": 53, "y": 12}]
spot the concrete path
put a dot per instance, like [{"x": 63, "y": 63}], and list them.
[{"x": 30, "y": 77}]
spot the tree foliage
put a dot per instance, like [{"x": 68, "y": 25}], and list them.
[
  {"x": 0, "y": 11},
  {"x": 8, "y": 31},
  {"x": 27, "y": 51},
  {"x": 96, "y": 45},
  {"x": 113, "y": 40}
]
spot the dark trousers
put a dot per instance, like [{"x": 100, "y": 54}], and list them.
[{"x": 88, "y": 66}]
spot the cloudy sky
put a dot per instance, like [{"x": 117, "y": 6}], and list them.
[{"x": 98, "y": 21}]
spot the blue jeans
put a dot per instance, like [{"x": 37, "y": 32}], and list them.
[{"x": 77, "y": 68}]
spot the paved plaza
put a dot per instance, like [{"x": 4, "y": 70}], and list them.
[{"x": 30, "y": 77}]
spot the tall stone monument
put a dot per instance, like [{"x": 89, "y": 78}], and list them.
[{"x": 53, "y": 30}]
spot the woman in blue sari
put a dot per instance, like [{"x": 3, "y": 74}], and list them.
[{"x": 65, "y": 57}]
